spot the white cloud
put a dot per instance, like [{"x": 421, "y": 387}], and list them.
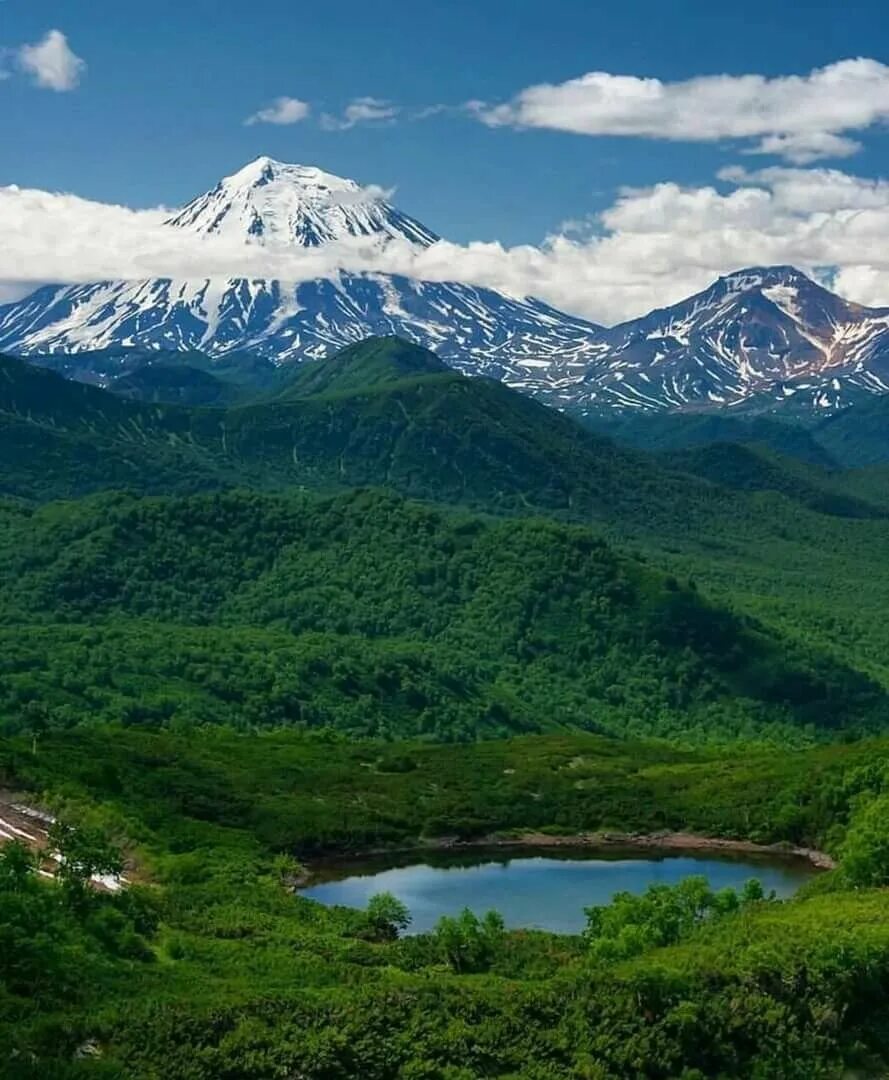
[
  {"x": 51, "y": 63},
  {"x": 801, "y": 118},
  {"x": 283, "y": 110},
  {"x": 802, "y": 148},
  {"x": 812, "y": 190},
  {"x": 651, "y": 247},
  {"x": 362, "y": 110},
  {"x": 370, "y": 193}
]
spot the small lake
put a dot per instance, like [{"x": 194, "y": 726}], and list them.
[{"x": 540, "y": 889}]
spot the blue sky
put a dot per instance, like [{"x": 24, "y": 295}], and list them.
[
  {"x": 688, "y": 139},
  {"x": 158, "y": 116}
]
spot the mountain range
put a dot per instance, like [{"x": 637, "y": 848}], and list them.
[
  {"x": 761, "y": 340},
  {"x": 765, "y": 339}
]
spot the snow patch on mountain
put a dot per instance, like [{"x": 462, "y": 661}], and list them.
[
  {"x": 756, "y": 338},
  {"x": 272, "y": 203}
]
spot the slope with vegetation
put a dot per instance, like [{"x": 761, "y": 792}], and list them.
[
  {"x": 789, "y": 546},
  {"x": 184, "y": 377},
  {"x": 213, "y": 968},
  {"x": 858, "y": 436},
  {"x": 852, "y": 438},
  {"x": 388, "y": 414},
  {"x": 374, "y": 615},
  {"x": 665, "y": 431}
]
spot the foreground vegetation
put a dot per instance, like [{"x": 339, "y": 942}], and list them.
[{"x": 210, "y": 967}]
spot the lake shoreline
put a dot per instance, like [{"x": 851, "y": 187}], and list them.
[
  {"x": 658, "y": 841},
  {"x": 603, "y": 841}
]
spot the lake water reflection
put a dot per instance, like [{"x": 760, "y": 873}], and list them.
[{"x": 545, "y": 890}]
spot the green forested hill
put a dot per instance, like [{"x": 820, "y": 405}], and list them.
[
  {"x": 671, "y": 431},
  {"x": 181, "y": 610},
  {"x": 179, "y": 384},
  {"x": 787, "y": 546},
  {"x": 162, "y": 375},
  {"x": 390, "y": 416},
  {"x": 855, "y": 437},
  {"x": 858, "y": 436},
  {"x": 754, "y": 467},
  {"x": 366, "y": 365},
  {"x": 60, "y": 438},
  {"x": 385, "y": 412}
]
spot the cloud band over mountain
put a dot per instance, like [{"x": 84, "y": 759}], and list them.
[{"x": 651, "y": 247}]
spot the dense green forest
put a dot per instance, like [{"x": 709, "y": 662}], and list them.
[
  {"x": 380, "y": 605},
  {"x": 377, "y": 616},
  {"x": 851, "y": 438},
  {"x": 210, "y": 966},
  {"x": 786, "y": 544}
]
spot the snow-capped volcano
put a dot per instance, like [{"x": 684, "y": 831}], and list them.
[
  {"x": 276, "y": 205},
  {"x": 270, "y": 202},
  {"x": 762, "y": 338},
  {"x": 756, "y": 338}
]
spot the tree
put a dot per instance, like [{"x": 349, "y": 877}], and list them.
[
  {"x": 387, "y": 916},
  {"x": 40, "y": 949},
  {"x": 752, "y": 891},
  {"x": 662, "y": 915},
  {"x": 865, "y": 854},
  {"x": 18, "y": 864},
  {"x": 468, "y": 943},
  {"x": 83, "y": 854},
  {"x": 288, "y": 870}
]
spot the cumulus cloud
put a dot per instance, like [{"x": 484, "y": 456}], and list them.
[
  {"x": 282, "y": 111},
  {"x": 801, "y": 118},
  {"x": 51, "y": 63},
  {"x": 650, "y": 247},
  {"x": 362, "y": 110},
  {"x": 802, "y": 148},
  {"x": 812, "y": 190},
  {"x": 62, "y": 238}
]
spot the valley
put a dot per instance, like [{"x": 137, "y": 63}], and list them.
[{"x": 580, "y": 630}]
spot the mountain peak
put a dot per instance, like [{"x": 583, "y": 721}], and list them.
[
  {"x": 753, "y": 277},
  {"x": 755, "y": 339},
  {"x": 368, "y": 364},
  {"x": 309, "y": 178},
  {"x": 275, "y": 203}
]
